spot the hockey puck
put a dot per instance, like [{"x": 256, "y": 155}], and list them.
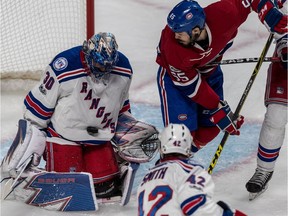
[{"x": 92, "y": 130}]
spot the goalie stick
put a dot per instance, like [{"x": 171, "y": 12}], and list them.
[
  {"x": 11, "y": 183},
  {"x": 241, "y": 102}
]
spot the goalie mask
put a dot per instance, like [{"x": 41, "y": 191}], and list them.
[
  {"x": 176, "y": 138},
  {"x": 101, "y": 53}
]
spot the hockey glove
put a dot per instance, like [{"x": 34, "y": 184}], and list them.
[
  {"x": 223, "y": 116},
  {"x": 272, "y": 17},
  {"x": 135, "y": 141},
  {"x": 282, "y": 49},
  {"x": 227, "y": 211}
]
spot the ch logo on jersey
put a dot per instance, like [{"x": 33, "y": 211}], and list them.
[{"x": 60, "y": 64}]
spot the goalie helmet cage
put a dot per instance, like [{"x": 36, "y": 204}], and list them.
[{"x": 34, "y": 31}]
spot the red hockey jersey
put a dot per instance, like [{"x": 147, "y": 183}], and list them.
[{"x": 188, "y": 66}]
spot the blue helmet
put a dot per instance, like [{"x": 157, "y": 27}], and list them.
[
  {"x": 101, "y": 48},
  {"x": 185, "y": 16}
]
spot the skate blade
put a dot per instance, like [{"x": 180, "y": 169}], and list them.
[{"x": 253, "y": 196}]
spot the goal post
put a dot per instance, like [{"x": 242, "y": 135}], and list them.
[
  {"x": 34, "y": 31},
  {"x": 90, "y": 18}
]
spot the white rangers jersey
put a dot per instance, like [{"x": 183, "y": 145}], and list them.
[
  {"x": 175, "y": 188},
  {"x": 68, "y": 99}
]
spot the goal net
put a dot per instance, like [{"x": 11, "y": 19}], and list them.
[{"x": 34, "y": 31}]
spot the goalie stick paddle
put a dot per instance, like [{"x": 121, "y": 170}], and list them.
[{"x": 241, "y": 102}]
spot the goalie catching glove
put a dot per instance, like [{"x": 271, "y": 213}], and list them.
[
  {"x": 135, "y": 141},
  {"x": 223, "y": 118}
]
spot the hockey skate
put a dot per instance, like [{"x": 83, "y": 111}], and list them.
[{"x": 258, "y": 184}]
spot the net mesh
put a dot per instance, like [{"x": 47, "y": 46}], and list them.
[{"x": 34, "y": 31}]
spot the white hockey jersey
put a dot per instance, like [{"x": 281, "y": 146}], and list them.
[
  {"x": 68, "y": 100},
  {"x": 175, "y": 188}
]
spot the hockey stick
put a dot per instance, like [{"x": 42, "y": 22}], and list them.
[
  {"x": 245, "y": 60},
  {"x": 241, "y": 102}
]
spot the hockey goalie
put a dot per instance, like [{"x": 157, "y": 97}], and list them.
[
  {"x": 78, "y": 119},
  {"x": 134, "y": 142}
]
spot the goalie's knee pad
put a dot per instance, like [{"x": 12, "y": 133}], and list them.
[{"x": 29, "y": 144}]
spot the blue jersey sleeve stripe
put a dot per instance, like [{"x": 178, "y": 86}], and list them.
[
  {"x": 121, "y": 74},
  {"x": 34, "y": 112},
  {"x": 72, "y": 77},
  {"x": 126, "y": 107},
  {"x": 190, "y": 205},
  {"x": 38, "y": 103},
  {"x": 122, "y": 71},
  {"x": 37, "y": 108}
]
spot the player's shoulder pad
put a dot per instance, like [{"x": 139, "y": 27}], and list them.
[
  {"x": 68, "y": 64},
  {"x": 182, "y": 164},
  {"x": 188, "y": 166},
  {"x": 123, "y": 67},
  {"x": 193, "y": 163}
]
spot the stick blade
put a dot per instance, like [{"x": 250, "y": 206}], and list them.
[{"x": 6, "y": 188}]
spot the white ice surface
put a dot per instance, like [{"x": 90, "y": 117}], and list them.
[{"x": 137, "y": 25}]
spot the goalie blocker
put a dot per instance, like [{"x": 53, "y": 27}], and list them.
[{"x": 134, "y": 141}]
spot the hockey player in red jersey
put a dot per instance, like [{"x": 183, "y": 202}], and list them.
[
  {"x": 190, "y": 89},
  {"x": 273, "y": 128},
  {"x": 175, "y": 186}
]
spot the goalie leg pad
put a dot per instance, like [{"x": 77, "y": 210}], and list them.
[
  {"x": 29, "y": 141},
  {"x": 127, "y": 176},
  {"x": 58, "y": 191},
  {"x": 127, "y": 183}
]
